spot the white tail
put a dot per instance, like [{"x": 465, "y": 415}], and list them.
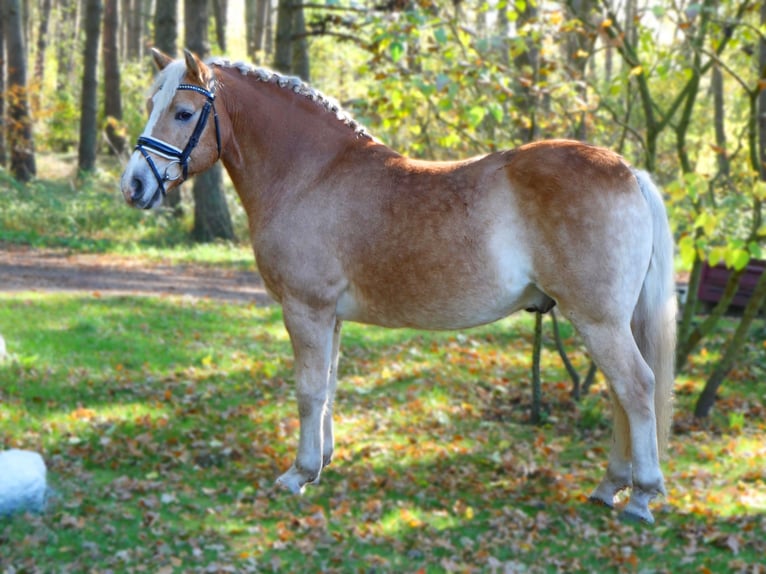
[{"x": 654, "y": 319}]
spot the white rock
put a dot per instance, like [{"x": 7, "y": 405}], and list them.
[{"x": 22, "y": 481}]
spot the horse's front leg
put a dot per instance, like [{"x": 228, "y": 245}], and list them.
[{"x": 311, "y": 333}]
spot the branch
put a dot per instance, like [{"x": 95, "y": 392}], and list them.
[{"x": 330, "y": 7}]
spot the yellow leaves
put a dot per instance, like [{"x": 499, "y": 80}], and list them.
[
  {"x": 81, "y": 413},
  {"x": 556, "y": 18},
  {"x": 708, "y": 222}
]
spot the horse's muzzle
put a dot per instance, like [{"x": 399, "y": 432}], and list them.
[{"x": 137, "y": 193}]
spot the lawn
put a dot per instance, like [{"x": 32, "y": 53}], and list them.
[{"x": 165, "y": 421}]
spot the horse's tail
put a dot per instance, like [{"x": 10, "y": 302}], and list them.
[{"x": 654, "y": 318}]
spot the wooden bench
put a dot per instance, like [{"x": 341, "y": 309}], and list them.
[{"x": 713, "y": 282}]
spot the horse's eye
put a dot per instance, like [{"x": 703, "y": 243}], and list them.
[{"x": 183, "y": 115}]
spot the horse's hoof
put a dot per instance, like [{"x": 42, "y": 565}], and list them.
[
  {"x": 293, "y": 481},
  {"x": 643, "y": 517},
  {"x": 636, "y": 512},
  {"x": 637, "y": 507},
  {"x": 593, "y": 499}
]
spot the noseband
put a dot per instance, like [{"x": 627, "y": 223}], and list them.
[{"x": 177, "y": 156}]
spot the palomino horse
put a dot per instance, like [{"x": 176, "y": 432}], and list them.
[{"x": 345, "y": 229}]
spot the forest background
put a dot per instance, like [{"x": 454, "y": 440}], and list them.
[{"x": 678, "y": 88}]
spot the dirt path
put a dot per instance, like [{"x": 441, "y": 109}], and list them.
[{"x": 25, "y": 269}]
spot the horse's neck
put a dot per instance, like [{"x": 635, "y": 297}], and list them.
[{"x": 282, "y": 137}]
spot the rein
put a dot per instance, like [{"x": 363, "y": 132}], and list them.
[{"x": 148, "y": 144}]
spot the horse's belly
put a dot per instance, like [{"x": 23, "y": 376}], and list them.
[
  {"x": 449, "y": 285},
  {"x": 435, "y": 311}
]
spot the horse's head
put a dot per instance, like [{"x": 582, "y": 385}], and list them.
[{"x": 182, "y": 136}]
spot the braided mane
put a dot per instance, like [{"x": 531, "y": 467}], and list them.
[{"x": 296, "y": 85}]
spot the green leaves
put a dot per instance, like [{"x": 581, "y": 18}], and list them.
[{"x": 396, "y": 50}]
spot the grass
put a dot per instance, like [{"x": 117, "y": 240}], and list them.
[
  {"x": 88, "y": 215},
  {"x": 165, "y": 421}
]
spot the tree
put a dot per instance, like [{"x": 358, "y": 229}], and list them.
[
  {"x": 112, "y": 88},
  {"x": 166, "y": 26},
  {"x": 3, "y": 154},
  {"x": 165, "y": 39},
  {"x": 211, "y": 214},
  {"x": 283, "y": 52},
  {"x": 42, "y": 43},
  {"x": 88, "y": 106},
  {"x": 133, "y": 27},
  {"x": 66, "y": 31},
  {"x": 291, "y": 52},
  {"x": 257, "y": 15},
  {"x": 20, "y": 142},
  {"x": 219, "y": 17}
]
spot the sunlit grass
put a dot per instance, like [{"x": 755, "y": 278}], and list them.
[
  {"x": 90, "y": 215},
  {"x": 165, "y": 421}
]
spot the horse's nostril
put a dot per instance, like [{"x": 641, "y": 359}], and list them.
[{"x": 137, "y": 186}]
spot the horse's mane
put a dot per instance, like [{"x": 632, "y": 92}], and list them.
[{"x": 297, "y": 86}]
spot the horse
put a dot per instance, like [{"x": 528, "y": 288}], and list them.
[{"x": 343, "y": 228}]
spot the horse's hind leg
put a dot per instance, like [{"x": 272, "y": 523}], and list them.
[
  {"x": 632, "y": 384},
  {"x": 619, "y": 473},
  {"x": 328, "y": 442},
  {"x": 311, "y": 333}
]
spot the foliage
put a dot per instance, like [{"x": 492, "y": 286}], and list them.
[
  {"x": 165, "y": 422},
  {"x": 445, "y": 84}
]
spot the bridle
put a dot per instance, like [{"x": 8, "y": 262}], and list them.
[{"x": 178, "y": 157}]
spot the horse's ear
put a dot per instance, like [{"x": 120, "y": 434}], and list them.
[
  {"x": 161, "y": 59},
  {"x": 196, "y": 68}
]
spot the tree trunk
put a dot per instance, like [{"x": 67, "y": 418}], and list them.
[
  {"x": 219, "y": 14},
  {"x": 166, "y": 27},
  {"x": 528, "y": 65},
  {"x": 166, "y": 40},
  {"x": 3, "y": 153},
  {"x": 578, "y": 43},
  {"x": 706, "y": 400},
  {"x": 88, "y": 117},
  {"x": 268, "y": 42},
  {"x": 250, "y": 10},
  {"x": 719, "y": 114},
  {"x": 283, "y": 54},
  {"x": 300, "y": 64},
  {"x": 68, "y": 26},
  {"x": 42, "y": 44},
  {"x": 134, "y": 28},
  {"x": 262, "y": 11},
  {"x": 112, "y": 91},
  {"x": 762, "y": 99},
  {"x": 20, "y": 141},
  {"x": 211, "y": 213}
]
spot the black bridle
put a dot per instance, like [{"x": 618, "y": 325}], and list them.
[{"x": 147, "y": 144}]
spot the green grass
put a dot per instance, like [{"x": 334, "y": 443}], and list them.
[
  {"x": 89, "y": 215},
  {"x": 165, "y": 421}
]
